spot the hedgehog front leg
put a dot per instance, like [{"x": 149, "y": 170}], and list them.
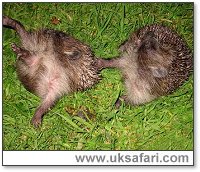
[{"x": 21, "y": 53}]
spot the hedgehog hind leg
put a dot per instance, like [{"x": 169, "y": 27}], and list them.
[
  {"x": 120, "y": 101},
  {"x": 107, "y": 63},
  {"x": 46, "y": 104},
  {"x": 16, "y": 25}
]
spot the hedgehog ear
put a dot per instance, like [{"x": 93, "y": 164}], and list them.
[
  {"x": 159, "y": 72},
  {"x": 73, "y": 55}
]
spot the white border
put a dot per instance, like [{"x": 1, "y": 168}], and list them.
[
  {"x": 111, "y": 158},
  {"x": 196, "y": 78}
]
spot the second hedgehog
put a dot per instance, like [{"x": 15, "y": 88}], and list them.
[
  {"x": 154, "y": 62},
  {"x": 51, "y": 63}
]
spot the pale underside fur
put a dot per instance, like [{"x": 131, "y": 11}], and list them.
[{"x": 138, "y": 90}]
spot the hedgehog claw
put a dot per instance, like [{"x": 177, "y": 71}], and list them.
[{"x": 36, "y": 121}]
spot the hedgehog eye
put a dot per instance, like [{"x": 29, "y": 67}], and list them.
[{"x": 73, "y": 55}]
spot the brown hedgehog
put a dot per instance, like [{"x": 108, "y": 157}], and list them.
[
  {"x": 154, "y": 62},
  {"x": 51, "y": 63}
]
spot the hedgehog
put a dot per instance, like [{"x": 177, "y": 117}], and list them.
[
  {"x": 154, "y": 62},
  {"x": 51, "y": 63}
]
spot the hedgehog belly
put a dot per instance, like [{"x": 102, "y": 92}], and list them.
[
  {"x": 53, "y": 80},
  {"x": 138, "y": 92}
]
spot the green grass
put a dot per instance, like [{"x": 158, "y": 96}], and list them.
[{"x": 163, "y": 124}]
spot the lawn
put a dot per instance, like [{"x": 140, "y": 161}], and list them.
[{"x": 163, "y": 124}]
